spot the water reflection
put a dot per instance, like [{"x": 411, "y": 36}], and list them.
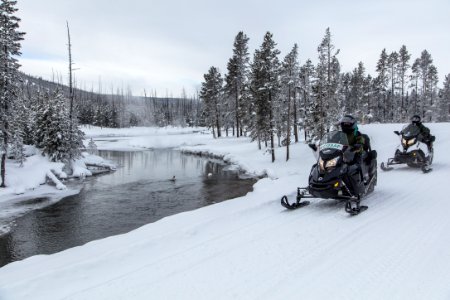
[{"x": 138, "y": 193}]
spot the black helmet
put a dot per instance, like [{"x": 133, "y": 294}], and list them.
[
  {"x": 415, "y": 119},
  {"x": 348, "y": 124}
]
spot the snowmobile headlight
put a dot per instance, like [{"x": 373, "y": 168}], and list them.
[
  {"x": 332, "y": 162},
  {"x": 411, "y": 141},
  {"x": 321, "y": 164}
]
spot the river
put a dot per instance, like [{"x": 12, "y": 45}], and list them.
[{"x": 141, "y": 191}]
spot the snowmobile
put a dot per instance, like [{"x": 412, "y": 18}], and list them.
[
  {"x": 412, "y": 151},
  {"x": 339, "y": 174}
]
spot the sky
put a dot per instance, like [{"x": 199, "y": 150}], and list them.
[{"x": 165, "y": 46}]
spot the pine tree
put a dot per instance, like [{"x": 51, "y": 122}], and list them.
[
  {"x": 307, "y": 74},
  {"x": 10, "y": 39},
  {"x": 265, "y": 87},
  {"x": 17, "y": 130},
  {"x": 444, "y": 101},
  {"x": 433, "y": 80},
  {"x": 212, "y": 95},
  {"x": 237, "y": 77},
  {"x": 367, "y": 109},
  {"x": 327, "y": 109},
  {"x": 92, "y": 147},
  {"x": 392, "y": 74},
  {"x": 415, "y": 103},
  {"x": 357, "y": 92},
  {"x": 381, "y": 83},
  {"x": 403, "y": 66},
  {"x": 54, "y": 135},
  {"x": 427, "y": 81},
  {"x": 290, "y": 81}
]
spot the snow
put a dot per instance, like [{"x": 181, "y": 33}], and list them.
[
  {"x": 29, "y": 181},
  {"x": 35, "y": 169},
  {"x": 252, "y": 248}
]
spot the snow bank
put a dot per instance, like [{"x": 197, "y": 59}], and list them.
[
  {"x": 37, "y": 168},
  {"x": 30, "y": 176}
]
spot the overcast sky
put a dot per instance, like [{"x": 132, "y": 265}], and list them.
[{"x": 169, "y": 44}]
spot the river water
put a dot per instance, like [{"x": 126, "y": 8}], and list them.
[{"x": 139, "y": 192}]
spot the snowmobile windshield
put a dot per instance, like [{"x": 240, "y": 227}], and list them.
[
  {"x": 334, "y": 140},
  {"x": 410, "y": 131}
]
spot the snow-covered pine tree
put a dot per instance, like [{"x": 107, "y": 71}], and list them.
[
  {"x": 381, "y": 86},
  {"x": 76, "y": 145},
  {"x": 444, "y": 101},
  {"x": 425, "y": 63},
  {"x": 392, "y": 72},
  {"x": 237, "y": 78},
  {"x": 211, "y": 94},
  {"x": 56, "y": 138},
  {"x": 414, "y": 104},
  {"x": 357, "y": 92},
  {"x": 345, "y": 91},
  {"x": 290, "y": 78},
  {"x": 92, "y": 147},
  {"x": 402, "y": 73},
  {"x": 10, "y": 38},
  {"x": 327, "y": 86},
  {"x": 29, "y": 116},
  {"x": 433, "y": 80},
  {"x": 265, "y": 86},
  {"x": 367, "y": 109},
  {"x": 307, "y": 104},
  {"x": 44, "y": 111},
  {"x": 54, "y": 135},
  {"x": 20, "y": 113}
]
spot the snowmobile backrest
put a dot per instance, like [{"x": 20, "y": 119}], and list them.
[{"x": 366, "y": 145}]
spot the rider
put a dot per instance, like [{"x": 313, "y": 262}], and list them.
[
  {"x": 350, "y": 128},
  {"x": 426, "y": 137}
]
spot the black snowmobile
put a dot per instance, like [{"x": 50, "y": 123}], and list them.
[
  {"x": 412, "y": 151},
  {"x": 339, "y": 174}
]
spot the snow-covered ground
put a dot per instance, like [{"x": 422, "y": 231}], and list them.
[{"x": 252, "y": 248}]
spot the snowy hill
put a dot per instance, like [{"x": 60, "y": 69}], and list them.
[{"x": 252, "y": 248}]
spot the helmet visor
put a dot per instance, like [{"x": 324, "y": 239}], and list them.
[{"x": 415, "y": 119}]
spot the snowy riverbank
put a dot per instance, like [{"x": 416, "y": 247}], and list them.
[{"x": 251, "y": 248}]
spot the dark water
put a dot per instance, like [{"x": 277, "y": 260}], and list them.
[{"x": 138, "y": 193}]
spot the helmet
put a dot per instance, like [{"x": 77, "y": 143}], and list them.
[
  {"x": 415, "y": 119},
  {"x": 348, "y": 124}
]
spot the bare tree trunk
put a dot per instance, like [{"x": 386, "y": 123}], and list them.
[
  {"x": 288, "y": 133},
  {"x": 5, "y": 123},
  {"x": 71, "y": 95},
  {"x": 272, "y": 150},
  {"x": 259, "y": 142},
  {"x": 237, "y": 112},
  {"x": 295, "y": 122}
]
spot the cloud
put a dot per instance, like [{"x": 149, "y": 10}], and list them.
[{"x": 168, "y": 45}]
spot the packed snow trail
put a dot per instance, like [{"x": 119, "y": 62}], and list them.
[{"x": 253, "y": 248}]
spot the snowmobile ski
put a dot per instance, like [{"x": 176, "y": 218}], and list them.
[
  {"x": 353, "y": 207},
  {"x": 427, "y": 169},
  {"x": 291, "y": 206},
  {"x": 386, "y": 167}
]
